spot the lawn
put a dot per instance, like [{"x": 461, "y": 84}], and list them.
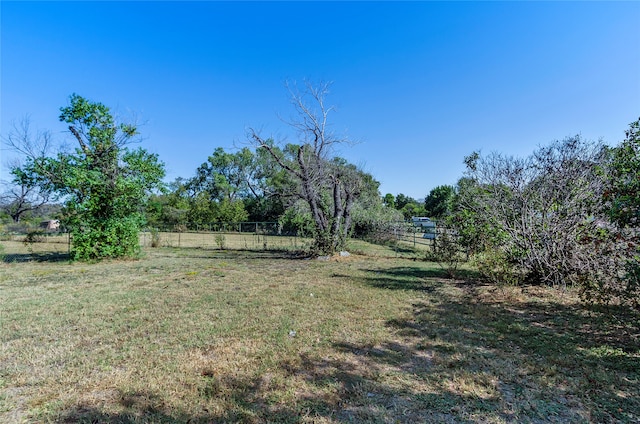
[{"x": 210, "y": 335}]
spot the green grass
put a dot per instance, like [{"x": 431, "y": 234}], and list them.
[{"x": 209, "y": 335}]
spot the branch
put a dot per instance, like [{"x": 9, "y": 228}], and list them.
[
  {"x": 263, "y": 144},
  {"x": 78, "y": 137}
]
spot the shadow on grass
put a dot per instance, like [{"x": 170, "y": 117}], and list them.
[
  {"x": 215, "y": 253},
  {"x": 401, "y": 278},
  {"x": 419, "y": 278},
  {"x": 142, "y": 407},
  {"x": 36, "y": 257},
  {"x": 562, "y": 358},
  {"x": 454, "y": 356}
]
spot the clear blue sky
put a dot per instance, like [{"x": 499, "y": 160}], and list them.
[{"x": 418, "y": 85}]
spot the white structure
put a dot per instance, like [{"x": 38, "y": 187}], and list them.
[
  {"x": 51, "y": 225},
  {"x": 427, "y": 225}
]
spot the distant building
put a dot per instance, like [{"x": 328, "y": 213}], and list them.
[
  {"x": 51, "y": 225},
  {"x": 427, "y": 225}
]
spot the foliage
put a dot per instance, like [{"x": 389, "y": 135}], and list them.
[
  {"x": 440, "y": 202},
  {"x": 615, "y": 279},
  {"x": 297, "y": 219},
  {"x": 226, "y": 175},
  {"x": 402, "y": 200},
  {"x": 624, "y": 179},
  {"x": 408, "y": 206},
  {"x": 371, "y": 221},
  {"x": 475, "y": 231},
  {"x": 389, "y": 200},
  {"x": 448, "y": 251},
  {"x": 540, "y": 210},
  {"x": 497, "y": 267},
  {"x": 104, "y": 183},
  {"x": 229, "y": 187},
  {"x": 231, "y": 211},
  {"x": 412, "y": 209},
  {"x": 622, "y": 198},
  {"x": 156, "y": 240},
  {"x": 328, "y": 184},
  {"x": 169, "y": 207},
  {"x": 220, "y": 241}
]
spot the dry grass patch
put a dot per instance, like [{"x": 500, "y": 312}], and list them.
[{"x": 204, "y": 335}]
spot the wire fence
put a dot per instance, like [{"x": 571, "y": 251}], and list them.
[
  {"x": 223, "y": 240},
  {"x": 237, "y": 236}
]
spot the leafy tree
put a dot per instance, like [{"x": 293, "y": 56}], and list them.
[
  {"x": 297, "y": 219},
  {"x": 413, "y": 208},
  {"x": 439, "y": 202},
  {"x": 201, "y": 210},
  {"x": 103, "y": 182},
  {"x": 471, "y": 221},
  {"x": 408, "y": 206},
  {"x": 373, "y": 218},
  {"x": 624, "y": 177},
  {"x": 245, "y": 177},
  {"x": 328, "y": 185},
  {"x": 623, "y": 199},
  {"x": 402, "y": 200},
  {"x": 226, "y": 175},
  {"x": 231, "y": 211},
  {"x": 169, "y": 208},
  {"x": 389, "y": 200}
]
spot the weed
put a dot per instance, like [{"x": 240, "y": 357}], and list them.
[
  {"x": 156, "y": 240},
  {"x": 220, "y": 241}
]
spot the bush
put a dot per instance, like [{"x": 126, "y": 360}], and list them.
[
  {"x": 109, "y": 239},
  {"x": 34, "y": 236},
  {"x": 155, "y": 238},
  {"x": 448, "y": 252},
  {"x": 495, "y": 266},
  {"x": 614, "y": 275},
  {"x": 221, "y": 241}
]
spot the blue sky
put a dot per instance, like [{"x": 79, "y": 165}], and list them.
[{"x": 417, "y": 85}]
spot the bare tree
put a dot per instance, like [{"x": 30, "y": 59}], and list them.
[
  {"x": 327, "y": 184},
  {"x": 22, "y": 193}
]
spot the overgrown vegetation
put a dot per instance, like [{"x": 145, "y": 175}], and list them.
[
  {"x": 203, "y": 335},
  {"x": 567, "y": 215},
  {"x": 103, "y": 182}
]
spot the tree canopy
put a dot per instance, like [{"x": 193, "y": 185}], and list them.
[
  {"x": 327, "y": 184},
  {"x": 103, "y": 183}
]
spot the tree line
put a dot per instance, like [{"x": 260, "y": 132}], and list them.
[
  {"x": 568, "y": 214},
  {"x": 109, "y": 191}
]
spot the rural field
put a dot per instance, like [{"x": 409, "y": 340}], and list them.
[{"x": 205, "y": 334}]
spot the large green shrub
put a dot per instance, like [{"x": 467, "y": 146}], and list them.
[{"x": 104, "y": 183}]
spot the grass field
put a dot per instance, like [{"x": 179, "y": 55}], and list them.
[{"x": 210, "y": 335}]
